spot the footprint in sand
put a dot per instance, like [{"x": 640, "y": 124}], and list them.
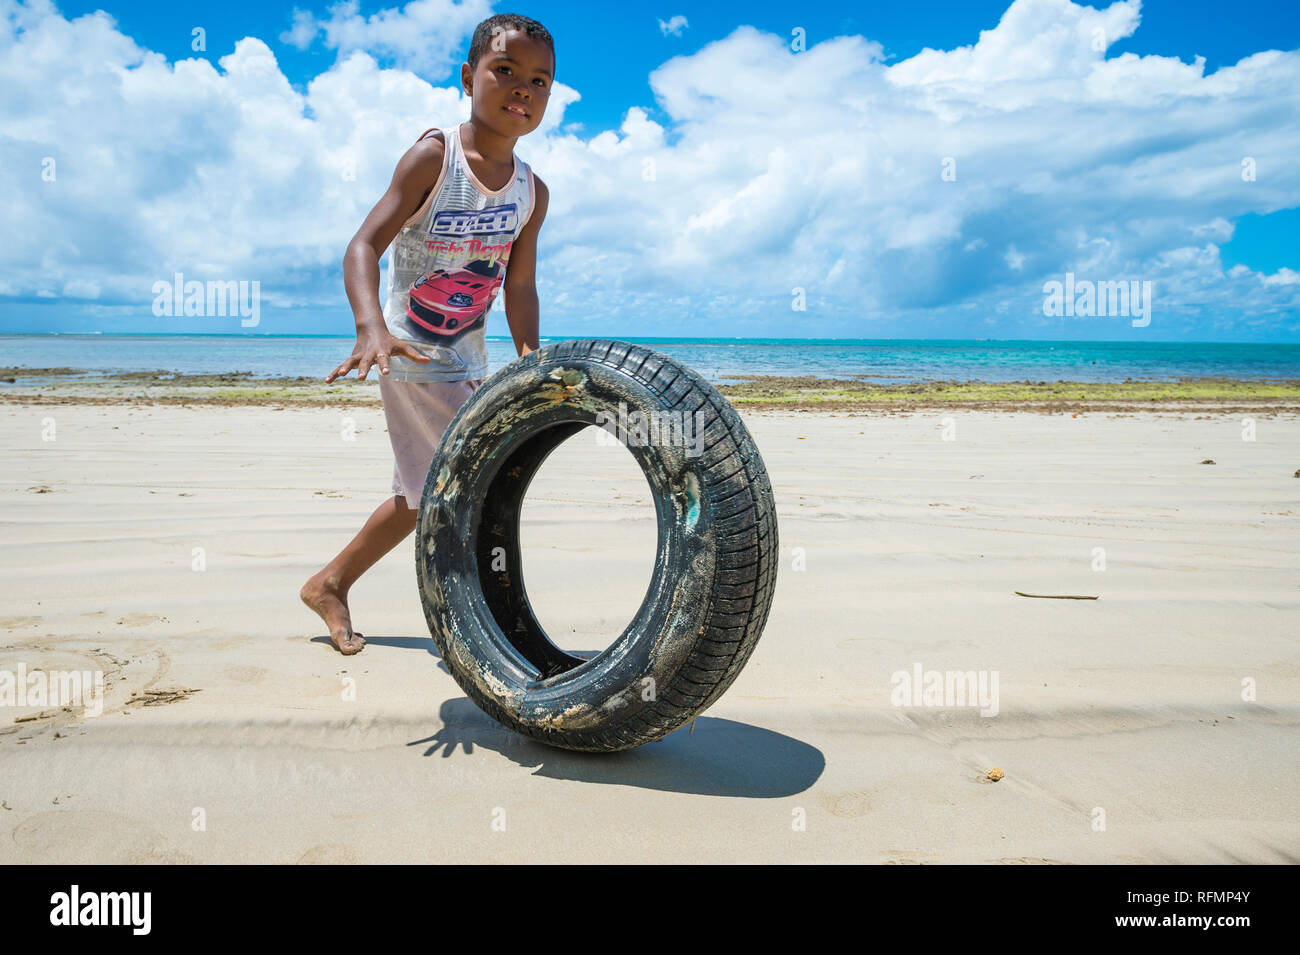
[
  {"x": 845, "y": 805},
  {"x": 18, "y": 623},
  {"x": 246, "y": 674},
  {"x": 91, "y": 837},
  {"x": 332, "y": 854},
  {"x": 140, "y": 619},
  {"x": 234, "y": 643}
]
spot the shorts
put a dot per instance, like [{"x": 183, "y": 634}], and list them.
[{"x": 418, "y": 413}]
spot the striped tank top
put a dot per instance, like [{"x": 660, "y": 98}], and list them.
[{"x": 447, "y": 264}]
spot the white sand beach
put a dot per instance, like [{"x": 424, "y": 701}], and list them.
[{"x": 226, "y": 736}]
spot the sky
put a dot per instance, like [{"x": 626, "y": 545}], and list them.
[{"x": 898, "y": 170}]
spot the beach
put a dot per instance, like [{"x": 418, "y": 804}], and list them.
[{"x": 162, "y": 538}]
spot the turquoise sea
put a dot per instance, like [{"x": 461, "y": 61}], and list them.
[{"x": 885, "y": 361}]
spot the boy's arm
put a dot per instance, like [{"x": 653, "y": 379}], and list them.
[
  {"x": 521, "y": 277},
  {"x": 416, "y": 173}
]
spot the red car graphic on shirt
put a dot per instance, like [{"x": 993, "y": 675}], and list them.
[{"x": 449, "y": 302}]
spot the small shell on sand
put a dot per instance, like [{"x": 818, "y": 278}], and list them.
[{"x": 995, "y": 774}]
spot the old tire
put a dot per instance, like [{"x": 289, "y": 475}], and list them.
[{"x": 715, "y": 564}]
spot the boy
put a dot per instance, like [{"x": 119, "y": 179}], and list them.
[{"x": 460, "y": 207}]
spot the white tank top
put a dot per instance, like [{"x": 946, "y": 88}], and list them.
[{"x": 447, "y": 264}]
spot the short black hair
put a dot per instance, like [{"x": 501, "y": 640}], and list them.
[{"x": 499, "y": 23}]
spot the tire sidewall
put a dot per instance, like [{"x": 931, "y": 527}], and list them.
[{"x": 536, "y": 392}]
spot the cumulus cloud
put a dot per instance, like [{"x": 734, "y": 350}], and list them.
[
  {"x": 938, "y": 192},
  {"x": 674, "y": 25},
  {"x": 424, "y": 35},
  {"x": 1283, "y": 276},
  {"x": 214, "y": 171},
  {"x": 1045, "y": 42}
]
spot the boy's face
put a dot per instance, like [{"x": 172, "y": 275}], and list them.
[{"x": 511, "y": 84}]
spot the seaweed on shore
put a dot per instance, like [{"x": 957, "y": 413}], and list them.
[{"x": 747, "y": 393}]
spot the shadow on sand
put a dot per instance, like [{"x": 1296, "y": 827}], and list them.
[{"x": 719, "y": 758}]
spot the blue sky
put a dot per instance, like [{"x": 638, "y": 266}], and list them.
[
  {"x": 1180, "y": 28},
  {"x": 817, "y": 169}
]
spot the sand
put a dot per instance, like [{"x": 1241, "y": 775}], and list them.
[{"x": 227, "y": 736}]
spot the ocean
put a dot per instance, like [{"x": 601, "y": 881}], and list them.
[{"x": 884, "y": 361}]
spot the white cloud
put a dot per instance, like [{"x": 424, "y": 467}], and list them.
[
  {"x": 772, "y": 169},
  {"x": 1282, "y": 276},
  {"x": 1219, "y": 229},
  {"x": 304, "y": 31},
  {"x": 81, "y": 288},
  {"x": 1052, "y": 42},
  {"x": 423, "y": 35},
  {"x": 674, "y": 25}
]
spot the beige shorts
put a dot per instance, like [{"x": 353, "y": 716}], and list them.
[{"x": 418, "y": 413}]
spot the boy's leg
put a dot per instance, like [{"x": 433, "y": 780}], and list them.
[
  {"x": 327, "y": 592},
  {"x": 417, "y": 415}
]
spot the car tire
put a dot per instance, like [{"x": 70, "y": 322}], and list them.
[{"x": 715, "y": 563}]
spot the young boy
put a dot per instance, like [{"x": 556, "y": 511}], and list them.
[{"x": 460, "y": 208}]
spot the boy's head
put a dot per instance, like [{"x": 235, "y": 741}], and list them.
[{"x": 508, "y": 73}]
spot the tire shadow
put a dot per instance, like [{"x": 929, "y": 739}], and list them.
[
  {"x": 404, "y": 643},
  {"x": 720, "y": 758}
]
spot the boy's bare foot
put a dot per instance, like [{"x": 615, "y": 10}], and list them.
[{"x": 322, "y": 595}]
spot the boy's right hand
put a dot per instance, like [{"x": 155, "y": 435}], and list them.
[{"x": 375, "y": 348}]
